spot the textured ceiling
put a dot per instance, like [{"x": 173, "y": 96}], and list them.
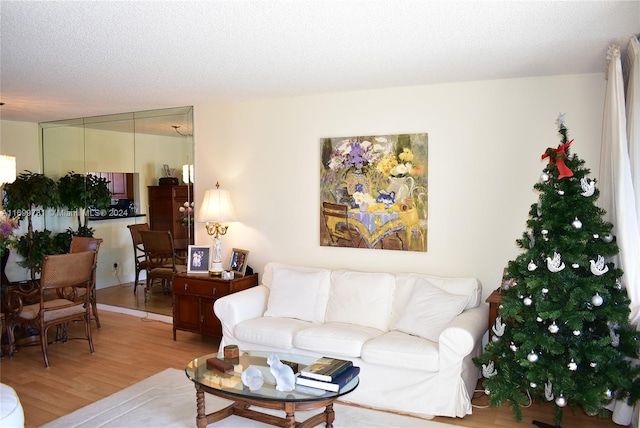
[{"x": 63, "y": 60}]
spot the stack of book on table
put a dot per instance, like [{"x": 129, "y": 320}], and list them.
[{"x": 328, "y": 373}]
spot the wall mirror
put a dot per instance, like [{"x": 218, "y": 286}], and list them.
[{"x": 133, "y": 151}]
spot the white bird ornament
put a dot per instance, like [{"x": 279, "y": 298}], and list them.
[
  {"x": 548, "y": 391},
  {"x": 498, "y": 328},
  {"x": 488, "y": 370},
  {"x": 598, "y": 267},
  {"x": 555, "y": 264},
  {"x": 588, "y": 187}
]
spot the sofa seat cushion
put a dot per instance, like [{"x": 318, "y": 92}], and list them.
[
  {"x": 396, "y": 347},
  {"x": 334, "y": 338},
  {"x": 270, "y": 331}
]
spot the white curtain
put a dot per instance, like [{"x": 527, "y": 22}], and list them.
[{"x": 617, "y": 193}]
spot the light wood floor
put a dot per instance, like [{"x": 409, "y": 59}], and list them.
[
  {"x": 130, "y": 349},
  {"x": 122, "y": 296}
]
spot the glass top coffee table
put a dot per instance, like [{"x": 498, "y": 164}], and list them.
[{"x": 229, "y": 385}]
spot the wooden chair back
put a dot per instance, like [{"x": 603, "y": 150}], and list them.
[
  {"x": 158, "y": 247},
  {"x": 80, "y": 244},
  {"x": 139, "y": 255}
]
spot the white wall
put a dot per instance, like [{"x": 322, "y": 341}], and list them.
[
  {"x": 485, "y": 143},
  {"x": 20, "y": 139}
]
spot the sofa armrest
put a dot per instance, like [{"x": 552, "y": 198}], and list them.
[
  {"x": 234, "y": 308},
  {"x": 462, "y": 335}
]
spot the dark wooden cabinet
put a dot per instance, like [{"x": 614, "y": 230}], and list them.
[
  {"x": 164, "y": 212},
  {"x": 193, "y": 298}
]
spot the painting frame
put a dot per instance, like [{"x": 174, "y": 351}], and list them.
[
  {"x": 199, "y": 259},
  {"x": 374, "y": 192},
  {"x": 238, "y": 261}
]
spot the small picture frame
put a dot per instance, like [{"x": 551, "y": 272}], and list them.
[
  {"x": 238, "y": 262},
  {"x": 199, "y": 259},
  {"x": 507, "y": 282}
]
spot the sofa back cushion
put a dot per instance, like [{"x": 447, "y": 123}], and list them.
[
  {"x": 361, "y": 298},
  {"x": 463, "y": 286},
  {"x": 429, "y": 310},
  {"x": 297, "y": 293}
]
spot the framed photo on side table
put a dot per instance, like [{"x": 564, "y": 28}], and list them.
[
  {"x": 238, "y": 263},
  {"x": 199, "y": 259}
]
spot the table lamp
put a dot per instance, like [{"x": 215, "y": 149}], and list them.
[{"x": 216, "y": 209}]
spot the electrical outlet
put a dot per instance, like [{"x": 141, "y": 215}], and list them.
[{"x": 115, "y": 269}]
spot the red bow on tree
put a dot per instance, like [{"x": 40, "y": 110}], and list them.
[{"x": 558, "y": 156}]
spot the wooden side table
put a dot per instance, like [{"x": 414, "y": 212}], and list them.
[
  {"x": 494, "y": 300},
  {"x": 193, "y": 298}
]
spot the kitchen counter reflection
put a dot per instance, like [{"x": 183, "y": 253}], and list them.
[{"x": 114, "y": 217}]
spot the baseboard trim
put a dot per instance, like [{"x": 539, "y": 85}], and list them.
[{"x": 136, "y": 313}]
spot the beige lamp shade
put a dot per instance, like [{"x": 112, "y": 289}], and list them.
[
  {"x": 7, "y": 169},
  {"x": 216, "y": 207}
]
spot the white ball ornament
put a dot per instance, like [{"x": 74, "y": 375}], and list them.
[
  {"x": 527, "y": 301},
  {"x": 577, "y": 223},
  {"x": 532, "y": 266},
  {"x": 593, "y": 365},
  {"x": 561, "y": 192},
  {"x": 486, "y": 391},
  {"x": 597, "y": 300},
  {"x": 608, "y": 238},
  {"x": 553, "y": 328},
  {"x": 596, "y": 236},
  {"x": 544, "y": 176},
  {"x": 608, "y": 393},
  {"x": 572, "y": 366},
  {"x": 533, "y": 385},
  {"x": 577, "y": 332},
  {"x": 575, "y": 265},
  {"x": 561, "y": 401},
  {"x": 532, "y": 357},
  {"x": 545, "y": 290},
  {"x": 538, "y": 319}
]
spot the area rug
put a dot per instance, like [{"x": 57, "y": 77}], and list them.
[{"x": 168, "y": 399}]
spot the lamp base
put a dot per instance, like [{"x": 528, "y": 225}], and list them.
[{"x": 216, "y": 268}]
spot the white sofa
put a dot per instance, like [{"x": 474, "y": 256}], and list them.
[{"x": 412, "y": 335}]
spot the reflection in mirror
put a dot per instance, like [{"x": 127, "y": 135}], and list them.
[{"x": 131, "y": 151}]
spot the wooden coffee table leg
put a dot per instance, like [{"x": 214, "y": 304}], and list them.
[
  {"x": 330, "y": 415},
  {"x": 290, "y": 418},
  {"x": 201, "y": 417}
]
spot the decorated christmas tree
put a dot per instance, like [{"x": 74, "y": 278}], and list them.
[{"x": 563, "y": 331}]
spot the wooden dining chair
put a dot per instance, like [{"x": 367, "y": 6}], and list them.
[
  {"x": 139, "y": 255},
  {"x": 69, "y": 276},
  {"x": 161, "y": 259}
]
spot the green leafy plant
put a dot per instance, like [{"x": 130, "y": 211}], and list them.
[
  {"x": 31, "y": 194},
  {"x": 80, "y": 192}
]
